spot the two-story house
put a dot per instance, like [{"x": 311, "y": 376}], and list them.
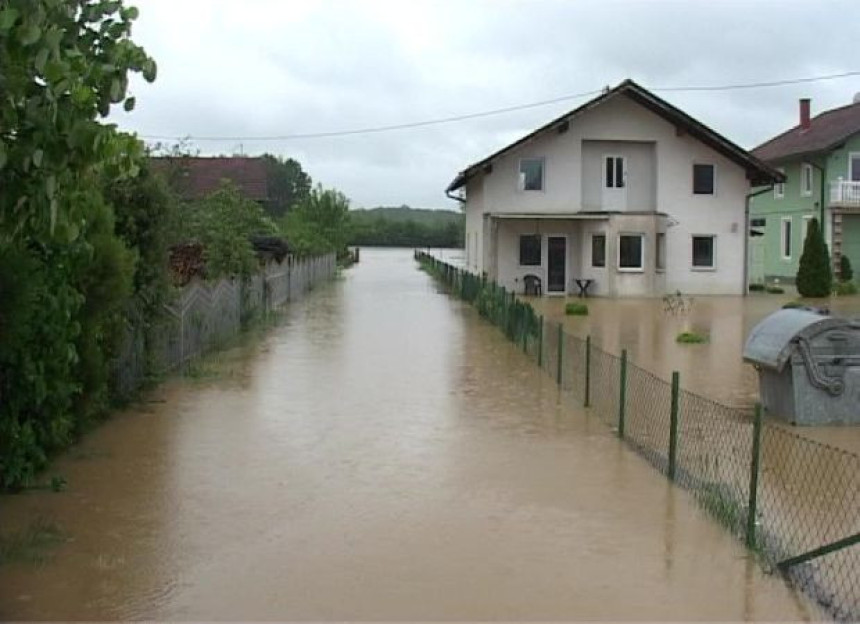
[
  {"x": 821, "y": 149},
  {"x": 627, "y": 191}
]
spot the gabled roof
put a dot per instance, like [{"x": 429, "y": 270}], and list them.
[
  {"x": 198, "y": 176},
  {"x": 826, "y": 131},
  {"x": 758, "y": 172}
]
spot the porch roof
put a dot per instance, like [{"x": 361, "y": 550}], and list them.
[{"x": 551, "y": 215}]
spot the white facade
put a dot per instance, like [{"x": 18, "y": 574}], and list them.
[{"x": 581, "y": 196}]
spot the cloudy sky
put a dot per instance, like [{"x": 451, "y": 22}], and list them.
[{"x": 261, "y": 68}]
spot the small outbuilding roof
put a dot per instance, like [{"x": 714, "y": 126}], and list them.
[
  {"x": 758, "y": 172},
  {"x": 198, "y": 176},
  {"x": 826, "y": 131}
]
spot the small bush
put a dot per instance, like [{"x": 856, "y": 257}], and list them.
[
  {"x": 757, "y": 287},
  {"x": 576, "y": 309},
  {"x": 775, "y": 290},
  {"x": 689, "y": 337},
  {"x": 792, "y": 304},
  {"x": 845, "y": 288},
  {"x": 846, "y": 273}
]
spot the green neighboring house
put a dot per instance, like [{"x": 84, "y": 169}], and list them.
[{"x": 826, "y": 148}]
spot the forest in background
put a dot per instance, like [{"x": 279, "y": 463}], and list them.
[{"x": 403, "y": 226}]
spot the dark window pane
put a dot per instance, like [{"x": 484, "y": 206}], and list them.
[
  {"x": 531, "y": 171},
  {"x": 630, "y": 251},
  {"x": 530, "y": 250},
  {"x": 598, "y": 250},
  {"x": 786, "y": 239},
  {"x": 703, "y": 179},
  {"x": 661, "y": 250},
  {"x": 610, "y": 172},
  {"x": 758, "y": 222},
  {"x": 619, "y": 172},
  {"x": 703, "y": 251}
]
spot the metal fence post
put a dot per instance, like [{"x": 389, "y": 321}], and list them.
[
  {"x": 754, "y": 470},
  {"x": 587, "y": 402},
  {"x": 673, "y": 425},
  {"x": 540, "y": 343},
  {"x": 560, "y": 350},
  {"x": 622, "y": 397}
]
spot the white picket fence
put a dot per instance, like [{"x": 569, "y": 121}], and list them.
[{"x": 204, "y": 315}]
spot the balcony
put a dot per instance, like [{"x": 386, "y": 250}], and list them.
[{"x": 845, "y": 193}]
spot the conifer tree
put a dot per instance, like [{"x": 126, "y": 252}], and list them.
[{"x": 814, "y": 277}]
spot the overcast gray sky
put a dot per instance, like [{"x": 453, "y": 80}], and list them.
[{"x": 263, "y": 68}]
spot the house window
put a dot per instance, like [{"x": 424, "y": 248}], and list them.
[
  {"x": 598, "y": 250},
  {"x": 530, "y": 250},
  {"x": 786, "y": 238},
  {"x": 779, "y": 187},
  {"x": 758, "y": 222},
  {"x": 531, "y": 174},
  {"x": 703, "y": 252},
  {"x": 631, "y": 248},
  {"x": 806, "y": 180},
  {"x": 614, "y": 174},
  {"x": 661, "y": 251},
  {"x": 703, "y": 179}
]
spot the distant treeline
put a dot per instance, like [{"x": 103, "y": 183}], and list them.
[{"x": 407, "y": 227}]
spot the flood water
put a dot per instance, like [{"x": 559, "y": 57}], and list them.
[{"x": 381, "y": 454}]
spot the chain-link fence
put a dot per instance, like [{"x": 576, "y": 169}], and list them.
[
  {"x": 795, "y": 502},
  {"x": 203, "y": 316}
]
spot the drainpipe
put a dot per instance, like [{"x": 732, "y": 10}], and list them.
[
  {"x": 823, "y": 171},
  {"x": 747, "y": 199},
  {"x": 454, "y": 197}
]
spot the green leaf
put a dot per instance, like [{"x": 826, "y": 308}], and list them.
[
  {"x": 130, "y": 13},
  {"x": 150, "y": 70},
  {"x": 115, "y": 90},
  {"x": 37, "y": 157},
  {"x": 128, "y": 105},
  {"x": 40, "y": 60},
  {"x": 29, "y": 35},
  {"x": 3, "y": 155},
  {"x": 51, "y": 186},
  {"x": 8, "y": 18}
]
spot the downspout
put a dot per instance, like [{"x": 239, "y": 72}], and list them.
[
  {"x": 823, "y": 171},
  {"x": 454, "y": 197},
  {"x": 747, "y": 236}
]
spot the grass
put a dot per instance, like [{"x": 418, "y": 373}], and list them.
[
  {"x": 689, "y": 337},
  {"x": 775, "y": 290},
  {"x": 842, "y": 289},
  {"x": 757, "y": 287},
  {"x": 31, "y": 545},
  {"x": 576, "y": 309}
]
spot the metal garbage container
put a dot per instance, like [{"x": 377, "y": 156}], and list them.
[{"x": 808, "y": 365}]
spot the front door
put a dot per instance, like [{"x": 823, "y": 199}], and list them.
[
  {"x": 614, "y": 182},
  {"x": 556, "y": 264}
]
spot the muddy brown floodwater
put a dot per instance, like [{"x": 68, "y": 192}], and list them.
[{"x": 381, "y": 454}]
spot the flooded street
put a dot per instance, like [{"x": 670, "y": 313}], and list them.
[{"x": 384, "y": 454}]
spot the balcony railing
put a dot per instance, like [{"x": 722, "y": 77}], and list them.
[{"x": 845, "y": 192}]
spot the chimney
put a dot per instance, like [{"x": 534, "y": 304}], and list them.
[{"x": 804, "y": 114}]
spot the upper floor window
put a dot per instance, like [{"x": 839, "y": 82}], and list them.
[
  {"x": 531, "y": 174},
  {"x": 530, "y": 250},
  {"x": 703, "y": 179},
  {"x": 779, "y": 187},
  {"x": 806, "y": 179}
]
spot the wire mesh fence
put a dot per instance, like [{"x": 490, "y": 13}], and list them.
[{"x": 795, "y": 502}]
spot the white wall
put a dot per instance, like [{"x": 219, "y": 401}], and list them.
[
  {"x": 621, "y": 119},
  {"x": 640, "y": 189}
]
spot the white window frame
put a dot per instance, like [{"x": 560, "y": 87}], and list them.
[
  {"x": 713, "y": 265},
  {"x": 782, "y": 238},
  {"x": 521, "y": 179},
  {"x": 804, "y": 168},
  {"x": 713, "y": 167},
  {"x": 779, "y": 187},
  {"x": 641, "y": 267}
]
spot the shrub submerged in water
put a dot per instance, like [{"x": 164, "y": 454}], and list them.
[
  {"x": 576, "y": 309},
  {"x": 689, "y": 337}
]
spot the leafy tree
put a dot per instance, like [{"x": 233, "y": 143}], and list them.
[
  {"x": 224, "y": 223},
  {"x": 319, "y": 224},
  {"x": 62, "y": 64},
  {"x": 846, "y": 273},
  {"x": 814, "y": 277},
  {"x": 287, "y": 182}
]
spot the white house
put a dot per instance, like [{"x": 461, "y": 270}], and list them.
[{"x": 626, "y": 190}]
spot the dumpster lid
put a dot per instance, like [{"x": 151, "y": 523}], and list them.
[{"x": 770, "y": 343}]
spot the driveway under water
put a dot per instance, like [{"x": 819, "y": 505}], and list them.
[{"x": 382, "y": 454}]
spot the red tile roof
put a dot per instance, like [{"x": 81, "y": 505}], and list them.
[
  {"x": 199, "y": 176},
  {"x": 826, "y": 131}
]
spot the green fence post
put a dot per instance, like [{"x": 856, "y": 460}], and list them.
[
  {"x": 587, "y": 402},
  {"x": 560, "y": 350},
  {"x": 540, "y": 343},
  {"x": 673, "y": 425},
  {"x": 622, "y": 397},
  {"x": 754, "y": 466}
]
